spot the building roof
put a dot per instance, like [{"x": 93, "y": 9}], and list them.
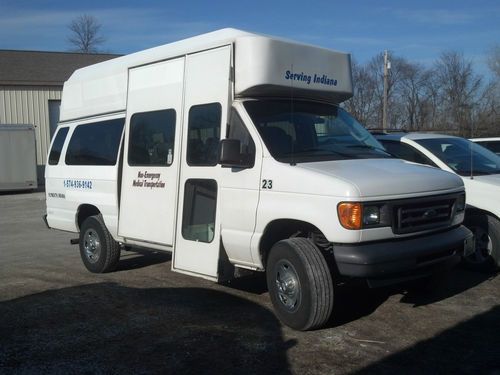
[{"x": 38, "y": 68}]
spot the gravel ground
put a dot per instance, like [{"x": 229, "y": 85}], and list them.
[{"x": 58, "y": 318}]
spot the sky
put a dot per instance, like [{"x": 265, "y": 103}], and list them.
[{"x": 417, "y": 30}]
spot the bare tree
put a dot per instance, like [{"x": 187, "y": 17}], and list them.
[
  {"x": 460, "y": 89},
  {"x": 85, "y": 34},
  {"x": 449, "y": 97},
  {"x": 375, "y": 70},
  {"x": 414, "y": 95},
  {"x": 362, "y": 104},
  {"x": 494, "y": 60}
]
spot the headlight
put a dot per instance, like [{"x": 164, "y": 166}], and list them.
[
  {"x": 354, "y": 215},
  {"x": 460, "y": 203},
  {"x": 371, "y": 215}
]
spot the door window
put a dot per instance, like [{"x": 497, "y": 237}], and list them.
[
  {"x": 237, "y": 130},
  {"x": 198, "y": 217},
  {"x": 203, "y": 134}
]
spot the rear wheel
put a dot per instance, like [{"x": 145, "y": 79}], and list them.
[
  {"x": 486, "y": 229},
  {"x": 99, "y": 251},
  {"x": 300, "y": 284}
]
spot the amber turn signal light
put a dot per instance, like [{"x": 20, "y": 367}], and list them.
[{"x": 350, "y": 215}]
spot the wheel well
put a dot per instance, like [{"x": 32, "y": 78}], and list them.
[
  {"x": 84, "y": 211},
  {"x": 281, "y": 229},
  {"x": 477, "y": 211}
]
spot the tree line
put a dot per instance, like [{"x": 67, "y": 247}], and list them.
[{"x": 447, "y": 97}]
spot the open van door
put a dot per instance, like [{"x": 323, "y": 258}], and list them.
[
  {"x": 149, "y": 186},
  {"x": 207, "y": 91}
]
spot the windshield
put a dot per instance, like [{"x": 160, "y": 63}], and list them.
[
  {"x": 302, "y": 131},
  {"x": 463, "y": 156}
]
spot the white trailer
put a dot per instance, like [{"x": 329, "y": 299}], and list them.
[
  {"x": 17, "y": 158},
  {"x": 229, "y": 150}
]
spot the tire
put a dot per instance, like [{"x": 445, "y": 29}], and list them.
[
  {"x": 99, "y": 251},
  {"x": 486, "y": 229},
  {"x": 300, "y": 284}
]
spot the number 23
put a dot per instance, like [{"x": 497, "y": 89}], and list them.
[{"x": 267, "y": 184}]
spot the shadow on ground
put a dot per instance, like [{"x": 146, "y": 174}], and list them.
[
  {"x": 353, "y": 302},
  {"x": 108, "y": 328},
  {"x": 472, "y": 347},
  {"x": 141, "y": 258},
  {"x": 457, "y": 281}
]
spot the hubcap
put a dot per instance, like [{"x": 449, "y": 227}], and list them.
[
  {"x": 288, "y": 285},
  {"x": 484, "y": 246},
  {"x": 92, "y": 245}
]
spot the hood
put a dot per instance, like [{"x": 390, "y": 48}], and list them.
[{"x": 387, "y": 177}]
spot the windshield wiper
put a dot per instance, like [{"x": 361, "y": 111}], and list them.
[
  {"x": 369, "y": 147},
  {"x": 315, "y": 149}
]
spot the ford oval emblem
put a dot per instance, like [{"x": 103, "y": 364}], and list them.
[{"x": 429, "y": 214}]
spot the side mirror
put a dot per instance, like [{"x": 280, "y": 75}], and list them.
[{"x": 229, "y": 154}]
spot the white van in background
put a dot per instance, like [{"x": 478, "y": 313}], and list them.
[
  {"x": 479, "y": 169},
  {"x": 229, "y": 150}
]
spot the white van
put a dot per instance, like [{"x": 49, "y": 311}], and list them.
[
  {"x": 479, "y": 169},
  {"x": 229, "y": 150}
]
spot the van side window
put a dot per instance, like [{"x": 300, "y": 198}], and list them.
[
  {"x": 237, "y": 130},
  {"x": 95, "y": 143},
  {"x": 152, "y": 136},
  {"x": 203, "y": 134},
  {"x": 55, "y": 151}
]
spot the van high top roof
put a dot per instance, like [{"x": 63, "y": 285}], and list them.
[{"x": 262, "y": 66}]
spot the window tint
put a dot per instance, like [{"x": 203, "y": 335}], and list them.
[
  {"x": 151, "y": 140},
  {"x": 95, "y": 143},
  {"x": 303, "y": 131},
  {"x": 204, "y": 134},
  {"x": 198, "y": 217},
  {"x": 463, "y": 156},
  {"x": 57, "y": 145},
  {"x": 406, "y": 152},
  {"x": 237, "y": 130}
]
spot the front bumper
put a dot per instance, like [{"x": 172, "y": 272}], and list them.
[{"x": 397, "y": 257}]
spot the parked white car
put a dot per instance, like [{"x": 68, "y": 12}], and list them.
[
  {"x": 480, "y": 171},
  {"x": 491, "y": 143}
]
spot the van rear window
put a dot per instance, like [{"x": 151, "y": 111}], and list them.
[{"x": 96, "y": 143}]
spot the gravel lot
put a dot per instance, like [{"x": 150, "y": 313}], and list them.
[{"x": 56, "y": 317}]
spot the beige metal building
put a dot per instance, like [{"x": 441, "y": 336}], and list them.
[{"x": 31, "y": 84}]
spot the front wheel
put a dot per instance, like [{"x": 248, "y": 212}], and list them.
[
  {"x": 486, "y": 231},
  {"x": 300, "y": 284},
  {"x": 99, "y": 251}
]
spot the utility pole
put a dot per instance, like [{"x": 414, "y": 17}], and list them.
[{"x": 387, "y": 66}]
